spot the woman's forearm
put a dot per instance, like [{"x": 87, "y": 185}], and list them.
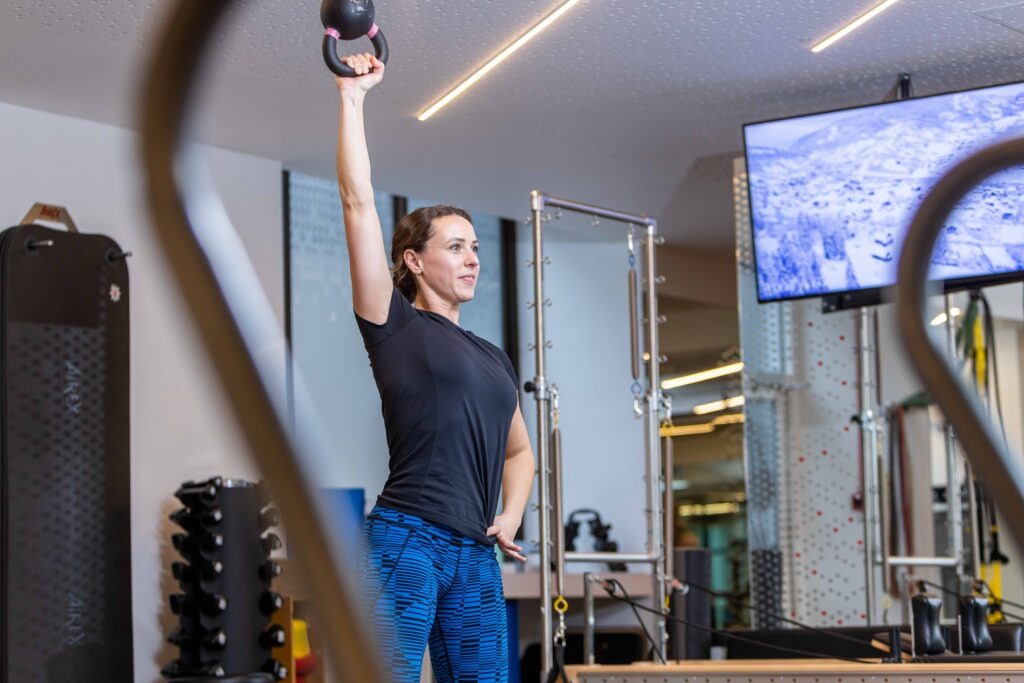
[
  {"x": 516, "y": 481},
  {"x": 353, "y": 156}
]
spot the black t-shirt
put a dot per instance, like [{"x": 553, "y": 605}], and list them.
[{"x": 448, "y": 398}]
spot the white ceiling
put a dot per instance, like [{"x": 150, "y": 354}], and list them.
[{"x": 635, "y": 104}]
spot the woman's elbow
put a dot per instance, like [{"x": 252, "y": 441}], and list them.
[{"x": 354, "y": 203}]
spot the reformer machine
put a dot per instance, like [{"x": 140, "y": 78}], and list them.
[{"x": 649, "y": 403}]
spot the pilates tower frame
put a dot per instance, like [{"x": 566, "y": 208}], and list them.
[{"x": 651, "y": 406}]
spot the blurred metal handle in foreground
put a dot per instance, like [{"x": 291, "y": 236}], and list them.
[
  {"x": 1001, "y": 472},
  {"x": 237, "y": 326}
]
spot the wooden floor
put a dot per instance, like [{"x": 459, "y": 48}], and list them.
[{"x": 796, "y": 671}]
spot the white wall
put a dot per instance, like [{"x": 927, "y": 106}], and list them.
[{"x": 181, "y": 428}]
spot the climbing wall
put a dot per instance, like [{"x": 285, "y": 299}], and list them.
[{"x": 802, "y": 450}]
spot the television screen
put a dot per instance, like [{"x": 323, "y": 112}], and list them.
[{"x": 832, "y": 195}]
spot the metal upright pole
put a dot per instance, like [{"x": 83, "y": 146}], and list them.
[
  {"x": 669, "y": 548},
  {"x": 557, "y": 512},
  {"x": 972, "y": 511},
  {"x": 869, "y": 464},
  {"x": 542, "y": 398},
  {"x": 588, "y": 618},
  {"x": 954, "y": 501},
  {"x": 656, "y": 522}
]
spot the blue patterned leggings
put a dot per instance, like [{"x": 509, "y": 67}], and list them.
[{"x": 429, "y": 585}]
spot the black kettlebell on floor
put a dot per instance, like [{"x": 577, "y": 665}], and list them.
[{"x": 348, "y": 20}]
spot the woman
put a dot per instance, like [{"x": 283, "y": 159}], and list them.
[{"x": 455, "y": 433}]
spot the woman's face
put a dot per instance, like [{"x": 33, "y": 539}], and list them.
[{"x": 449, "y": 264}]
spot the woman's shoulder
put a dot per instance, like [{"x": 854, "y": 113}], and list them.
[{"x": 400, "y": 313}]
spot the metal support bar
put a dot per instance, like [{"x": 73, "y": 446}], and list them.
[
  {"x": 869, "y": 460},
  {"x": 592, "y": 210},
  {"x": 655, "y": 512},
  {"x": 972, "y": 513},
  {"x": 558, "y": 515},
  {"x": 885, "y": 516},
  {"x": 588, "y": 617},
  {"x": 542, "y": 397},
  {"x": 668, "y": 454},
  {"x": 954, "y": 502},
  {"x": 611, "y": 557},
  {"x": 236, "y": 325},
  {"x": 903, "y": 561}
]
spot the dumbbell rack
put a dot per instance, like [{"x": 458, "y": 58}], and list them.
[{"x": 225, "y": 602}]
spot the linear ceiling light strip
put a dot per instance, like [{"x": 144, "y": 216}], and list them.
[
  {"x": 688, "y": 430},
  {"x": 703, "y": 427},
  {"x": 718, "y": 406},
  {"x": 702, "y": 376},
  {"x": 495, "y": 61},
  {"x": 854, "y": 25}
]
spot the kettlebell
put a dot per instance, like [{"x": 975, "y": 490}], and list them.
[{"x": 349, "y": 20}]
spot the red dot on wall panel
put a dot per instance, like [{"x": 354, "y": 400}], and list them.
[
  {"x": 824, "y": 452},
  {"x": 792, "y": 614},
  {"x": 820, "y": 363},
  {"x": 814, "y": 572},
  {"x": 810, "y": 324},
  {"x": 842, "y": 337},
  {"x": 819, "y": 513},
  {"x": 797, "y": 555},
  {"x": 846, "y": 428},
  {"x": 860, "y": 542},
  {"x": 835, "y": 530},
  {"x": 850, "y": 519},
  {"x": 844, "y": 382},
  {"x": 863, "y": 615},
  {"x": 840, "y": 622},
  {"x": 801, "y": 458},
  {"x": 824, "y": 613}
]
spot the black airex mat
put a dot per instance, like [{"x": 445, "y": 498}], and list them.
[{"x": 65, "y": 522}]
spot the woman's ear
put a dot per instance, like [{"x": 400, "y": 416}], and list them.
[{"x": 413, "y": 262}]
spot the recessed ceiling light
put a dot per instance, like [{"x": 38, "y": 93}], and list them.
[
  {"x": 854, "y": 25},
  {"x": 495, "y": 61}
]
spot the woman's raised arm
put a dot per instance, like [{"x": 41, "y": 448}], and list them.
[{"x": 368, "y": 265}]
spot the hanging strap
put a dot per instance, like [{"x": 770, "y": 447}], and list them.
[{"x": 557, "y": 672}]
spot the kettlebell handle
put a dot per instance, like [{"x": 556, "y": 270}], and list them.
[{"x": 334, "y": 63}]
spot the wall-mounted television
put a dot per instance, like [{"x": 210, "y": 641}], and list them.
[{"x": 832, "y": 194}]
